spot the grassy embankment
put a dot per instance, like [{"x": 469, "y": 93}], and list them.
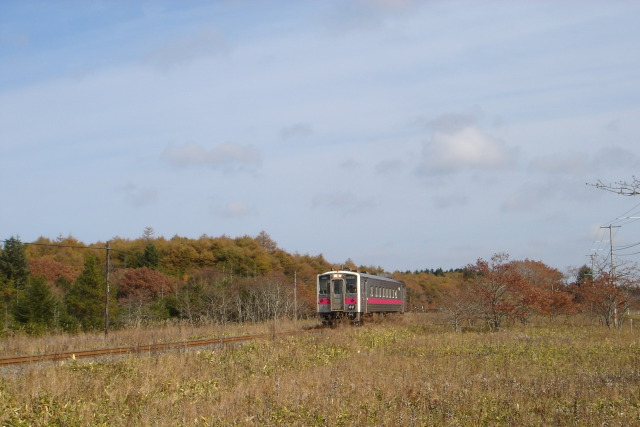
[{"x": 409, "y": 371}]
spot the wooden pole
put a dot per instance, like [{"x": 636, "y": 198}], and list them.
[{"x": 106, "y": 305}]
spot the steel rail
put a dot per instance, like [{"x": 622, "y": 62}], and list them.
[{"x": 142, "y": 348}]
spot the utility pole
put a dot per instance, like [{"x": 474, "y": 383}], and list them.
[
  {"x": 612, "y": 268},
  {"x": 612, "y": 271},
  {"x": 593, "y": 264},
  {"x": 106, "y": 305},
  {"x": 295, "y": 296}
]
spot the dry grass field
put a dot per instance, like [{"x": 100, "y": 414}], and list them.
[{"x": 407, "y": 371}]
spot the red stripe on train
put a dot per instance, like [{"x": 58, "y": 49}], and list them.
[
  {"x": 383, "y": 301},
  {"x": 323, "y": 301}
]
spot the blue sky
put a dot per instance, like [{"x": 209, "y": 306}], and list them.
[{"x": 400, "y": 134}]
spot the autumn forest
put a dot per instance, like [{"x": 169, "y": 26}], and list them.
[{"x": 62, "y": 285}]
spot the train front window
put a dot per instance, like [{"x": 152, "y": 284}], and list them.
[
  {"x": 337, "y": 286},
  {"x": 352, "y": 282},
  {"x": 323, "y": 284}
]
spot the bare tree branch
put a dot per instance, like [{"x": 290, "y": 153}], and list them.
[{"x": 621, "y": 187}]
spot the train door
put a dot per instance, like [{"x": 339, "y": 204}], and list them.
[{"x": 337, "y": 295}]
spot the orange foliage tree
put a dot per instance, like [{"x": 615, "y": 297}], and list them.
[
  {"x": 547, "y": 292},
  {"x": 143, "y": 284},
  {"x": 52, "y": 270},
  {"x": 499, "y": 291},
  {"x": 502, "y": 293},
  {"x": 138, "y": 288},
  {"x": 606, "y": 297}
]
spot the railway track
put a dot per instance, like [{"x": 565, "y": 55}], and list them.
[{"x": 143, "y": 348}]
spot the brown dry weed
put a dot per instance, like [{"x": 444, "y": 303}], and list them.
[{"x": 408, "y": 372}]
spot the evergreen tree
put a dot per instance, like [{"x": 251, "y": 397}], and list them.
[
  {"x": 86, "y": 296},
  {"x": 14, "y": 272},
  {"x": 36, "y": 306},
  {"x": 7, "y": 292},
  {"x": 13, "y": 263},
  {"x": 584, "y": 275},
  {"x": 150, "y": 257}
]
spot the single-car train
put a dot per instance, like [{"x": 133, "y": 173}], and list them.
[{"x": 352, "y": 295}]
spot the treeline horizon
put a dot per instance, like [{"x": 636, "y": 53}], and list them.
[
  {"x": 127, "y": 257},
  {"x": 61, "y": 284}
]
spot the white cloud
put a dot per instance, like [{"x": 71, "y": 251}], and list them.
[
  {"x": 443, "y": 202},
  {"x": 561, "y": 80},
  {"x": 522, "y": 201},
  {"x": 561, "y": 163},
  {"x": 345, "y": 202},
  {"x": 549, "y": 191},
  {"x": 205, "y": 43},
  {"x": 236, "y": 209},
  {"x": 350, "y": 164},
  {"x": 612, "y": 125},
  {"x": 348, "y": 17},
  {"x": 464, "y": 149},
  {"x": 389, "y": 167},
  {"x": 391, "y": 4},
  {"x": 296, "y": 131},
  {"x": 453, "y": 122},
  {"x": 139, "y": 197},
  {"x": 616, "y": 158},
  {"x": 226, "y": 156}
]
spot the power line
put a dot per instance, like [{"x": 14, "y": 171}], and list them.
[
  {"x": 56, "y": 245},
  {"x": 632, "y": 253},
  {"x": 630, "y": 216},
  {"x": 622, "y": 248},
  {"x": 619, "y": 217}
]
